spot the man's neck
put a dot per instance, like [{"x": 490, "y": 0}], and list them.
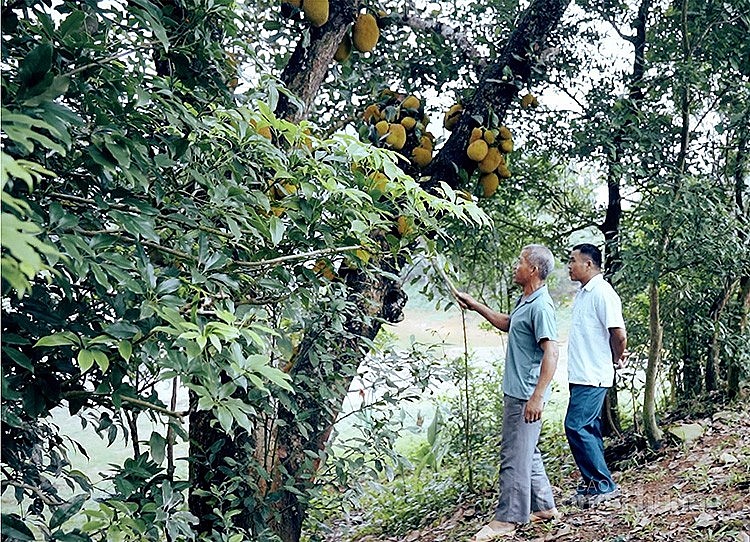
[
  {"x": 532, "y": 287},
  {"x": 591, "y": 276}
]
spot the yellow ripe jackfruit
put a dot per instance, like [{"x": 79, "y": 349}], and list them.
[
  {"x": 476, "y": 133},
  {"x": 452, "y": 116},
  {"x": 408, "y": 123},
  {"x": 506, "y": 145},
  {"x": 371, "y": 112},
  {"x": 425, "y": 142},
  {"x": 316, "y": 11},
  {"x": 489, "y": 182},
  {"x": 477, "y": 150},
  {"x": 396, "y": 136},
  {"x": 491, "y": 161},
  {"x": 379, "y": 181},
  {"x": 323, "y": 267},
  {"x": 411, "y": 102},
  {"x": 526, "y": 100},
  {"x": 490, "y": 136},
  {"x": 421, "y": 156},
  {"x": 365, "y": 33},
  {"x": 343, "y": 50},
  {"x": 382, "y": 127},
  {"x": 403, "y": 225},
  {"x": 504, "y": 133},
  {"x": 265, "y": 131},
  {"x": 362, "y": 255},
  {"x": 503, "y": 172}
]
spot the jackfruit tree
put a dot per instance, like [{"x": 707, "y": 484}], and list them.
[{"x": 220, "y": 197}]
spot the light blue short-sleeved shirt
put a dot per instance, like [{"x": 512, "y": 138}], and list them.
[{"x": 531, "y": 321}]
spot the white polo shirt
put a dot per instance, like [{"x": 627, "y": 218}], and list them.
[{"x": 596, "y": 309}]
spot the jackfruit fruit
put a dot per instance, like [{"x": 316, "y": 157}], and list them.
[
  {"x": 343, "y": 50},
  {"x": 506, "y": 145},
  {"x": 425, "y": 142},
  {"x": 408, "y": 123},
  {"x": 323, "y": 267},
  {"x": 396, "y": 136},
  {"x": 421, "y": 156},
  {"x": 534, "y": 103},
  {"x": 503, "y": 172},
  {"x": 491, "y": 161},
  {"x": 476, "y": 133},
  {"x": 403, "y": 225},
  {"x": 489, "y": 136},
  {"x": 411, "y": 102},
  {"x": 371, "y": 112},
  {"x": 265, "y": 131},
  {"x": 527, "y": 100},
  {"x": 477, "y": 150},
  {"x": 452, "y": 116},
  {"x": 382, "y": 127},
  {"x": 363, "y": 255},
  {"x": 504, "y": 133},
  {"x": 365, "y": 33},
  {"x": 489, "y": 182},
  {"x": 316, "y": 11},
  {"x": 379, "y": 181}
]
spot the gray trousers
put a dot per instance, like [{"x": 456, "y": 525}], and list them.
[{"x": 524, "y": 486}]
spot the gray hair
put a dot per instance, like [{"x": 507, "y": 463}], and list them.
[{"x": 540, "y": 257}]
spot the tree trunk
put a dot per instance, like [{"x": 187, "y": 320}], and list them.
[
  {"x": 610, "y": 228},
  {"x": 650, "y": 426}
]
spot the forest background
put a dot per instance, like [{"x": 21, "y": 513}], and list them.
[{"x": 197, "y": 195}]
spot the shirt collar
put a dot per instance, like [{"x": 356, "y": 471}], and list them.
[
  {"x": 593, "y": 281},
  {"x": 536, "y": 293}
]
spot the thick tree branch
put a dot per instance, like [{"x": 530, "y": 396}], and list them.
[{"x": 498, "y": 86}]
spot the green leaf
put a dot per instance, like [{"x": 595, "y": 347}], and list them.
[
  {"x": 72, "y": 23},
  {"x": 158, "y": 445},
  {"x": 64, "y": 338},
  {"x": 277, "y": 229},
  {"x": 13, "y": 527},
  {"x": 36, "y": 65},
  {"x": 101, "y": 359},
  {"x": 85, "y": 360},
  {"x": 67, "y": 510},
  {"x": 125, "y": 348}
]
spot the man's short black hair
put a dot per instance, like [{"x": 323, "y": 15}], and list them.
[{"x": 590, "y": 251}]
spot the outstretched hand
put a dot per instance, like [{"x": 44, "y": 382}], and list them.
[{"x": 465, "y": 301}]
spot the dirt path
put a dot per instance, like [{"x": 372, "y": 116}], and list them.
[{"x": 697, "y": 491}]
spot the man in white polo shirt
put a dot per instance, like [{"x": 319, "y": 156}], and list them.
[{"x": 596, "y": 344}]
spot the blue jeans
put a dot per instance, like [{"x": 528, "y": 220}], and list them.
[{"x": 583, "y": 424}]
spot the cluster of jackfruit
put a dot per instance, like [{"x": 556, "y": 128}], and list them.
[
  {"x": 489, "y": 148},
  {"x": 365, "y": 34},
  {"x": 398, "y": 122}
]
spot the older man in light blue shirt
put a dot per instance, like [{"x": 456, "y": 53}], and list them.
[{"x": 530, "y": 362}]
